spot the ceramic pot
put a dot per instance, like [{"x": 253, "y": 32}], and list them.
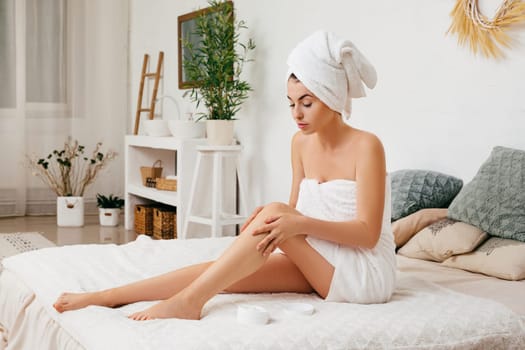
[
  {"x": 108, "y": 216},
  {"x": 219, "y": 132},
  {"x": 70, "y": 211}
]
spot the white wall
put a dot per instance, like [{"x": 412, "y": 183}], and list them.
[{"x": 436, "y": 105}]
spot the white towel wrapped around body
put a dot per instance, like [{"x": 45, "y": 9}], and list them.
[
  {"x": 333, "y": 69},
  {"x": 361, "y": 275}
]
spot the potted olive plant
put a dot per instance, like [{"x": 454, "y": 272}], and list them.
[
  {"x": 109, "y": 209},
  {"x": 215, "y": 64}
]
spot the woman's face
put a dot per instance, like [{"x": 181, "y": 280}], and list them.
[{"x": 309, "y": 112}]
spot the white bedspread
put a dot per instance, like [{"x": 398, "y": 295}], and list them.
[{"x": 421, "y": 315}]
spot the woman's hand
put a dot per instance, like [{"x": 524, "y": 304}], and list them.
[
  {"x": 252, "y": 216},
  {"x": 279, "y": 228}
]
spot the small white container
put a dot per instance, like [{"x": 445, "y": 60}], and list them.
[
  {"x": 156, "y": 127},
  {"x": 252, "y": 314},
  {"x": 108, "y": 216}
]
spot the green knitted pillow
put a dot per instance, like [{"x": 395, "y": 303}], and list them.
[
  {"x": 414, "y": 189},
  {"x": 494, "y": 200}
]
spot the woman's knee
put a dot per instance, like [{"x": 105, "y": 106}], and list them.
[
  {"x": 270, "y": 209},
  {"x": 277, "y": 207}
]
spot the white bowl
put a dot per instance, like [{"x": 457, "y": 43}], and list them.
[
  {"x": 156, "y": 127},
  {"x": 187, "y": 129},
  {"x": 252, "y": 314}
]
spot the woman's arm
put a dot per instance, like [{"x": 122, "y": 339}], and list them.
[{"x": 297, "y": 169}]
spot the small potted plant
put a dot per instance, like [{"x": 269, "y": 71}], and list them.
[{"x": 109, "y": 209}]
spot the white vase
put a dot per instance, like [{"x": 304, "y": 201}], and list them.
[
  {"x": 108, "y": 216},
  {"x": 70, "y": 211},
  {"x": 219, "y": 132}
]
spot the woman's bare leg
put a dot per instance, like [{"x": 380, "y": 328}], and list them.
[
  {"x": 302, "y": 269},
  {"x": 166, "y": 285},
  {"x": 279, "y": 269},
  {"x": 238, "y": 262},
  {"x": 155, "y": 288}
]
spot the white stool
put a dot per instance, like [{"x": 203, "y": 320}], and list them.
[{"x": 218, "y": 217}]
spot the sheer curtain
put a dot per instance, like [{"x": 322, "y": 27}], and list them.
[{"x": 63, "y": 72}]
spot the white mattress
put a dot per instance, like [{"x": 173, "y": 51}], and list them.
[{"x": 421, "y": 314}]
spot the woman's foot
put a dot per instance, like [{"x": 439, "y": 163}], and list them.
[
  {"x": 74, "y": 301},
  {"x": 174, "y": 307}
]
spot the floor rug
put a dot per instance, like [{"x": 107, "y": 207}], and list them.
[{"x": 15, "y": 243}]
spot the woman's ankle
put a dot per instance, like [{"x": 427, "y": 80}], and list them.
[
  {"x": 191, "y": 298},
  {"x": 106, "y": 297}
]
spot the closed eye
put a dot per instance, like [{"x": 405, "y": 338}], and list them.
[{"x": 307, "y": 105}]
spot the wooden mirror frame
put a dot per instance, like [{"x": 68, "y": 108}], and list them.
[{"x": 183, "y": 20}]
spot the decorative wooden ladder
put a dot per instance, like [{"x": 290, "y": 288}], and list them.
[{"x": 156, "y": 75}]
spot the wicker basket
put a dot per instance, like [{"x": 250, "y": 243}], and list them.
[
  {"x": 144, "y": 219},
  {"x": 166, "y": 184},
  {"x": 151, "y": 172},
  {"x": 164, "y": 223}
]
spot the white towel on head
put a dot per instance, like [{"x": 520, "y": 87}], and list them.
[{"x": 333, "y": 69}]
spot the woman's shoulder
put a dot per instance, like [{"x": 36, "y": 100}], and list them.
[
  {"x": 366, "y": 138},
  {"x": 366, "y": 141},
  {"x": 298, "y": 138}
]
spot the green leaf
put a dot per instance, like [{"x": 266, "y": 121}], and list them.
[{"x": 215, "y": 64}]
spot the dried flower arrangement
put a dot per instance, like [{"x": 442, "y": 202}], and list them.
[
  {"x": 482, "y": 34},
  {"x": 68, "y": 172}
]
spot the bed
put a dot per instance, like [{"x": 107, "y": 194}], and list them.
[
  {"x": 433, "y": 307},
  {"x": 442, "y": 230}
]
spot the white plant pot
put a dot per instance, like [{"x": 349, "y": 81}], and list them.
[
  {"x": 219, "y": 132},
  {"x": 70, "y": 211},
  {"x": 108, "y": 216}
]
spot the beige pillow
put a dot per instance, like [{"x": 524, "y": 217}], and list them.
[
  {"x": 497, "y": 257},
  {"x": 443, "y": 239},
  {"x": 408, "y": 226}
]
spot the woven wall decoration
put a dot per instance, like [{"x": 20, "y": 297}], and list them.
[{"x": 481, "y": 34}]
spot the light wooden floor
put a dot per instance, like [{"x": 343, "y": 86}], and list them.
[{"x": 92, "y": 232}]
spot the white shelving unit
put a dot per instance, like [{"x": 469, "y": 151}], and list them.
[{"x": 178, "y": 159}]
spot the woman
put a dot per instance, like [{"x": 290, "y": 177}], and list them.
[{"x": 334, "y": 234}]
